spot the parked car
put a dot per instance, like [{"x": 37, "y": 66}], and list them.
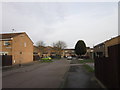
[{"x": 69, "y": 58}]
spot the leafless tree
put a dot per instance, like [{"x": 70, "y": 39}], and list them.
[
  {"x": 41, "y": 46},
  {"x": 40, "y": 43},
  {"x": 59, "y": 46}
]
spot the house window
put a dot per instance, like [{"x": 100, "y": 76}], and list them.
[
  {"x": 3, "y": 53},
  {"x": 25, "y": 44},
  {"x": 6, "y": 43},
  {"x": 35, "y": 53}
]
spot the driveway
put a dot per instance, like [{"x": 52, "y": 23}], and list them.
[{"x": 47, "y": 75}]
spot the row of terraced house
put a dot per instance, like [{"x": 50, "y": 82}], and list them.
[
  {"x": 52, "y": 52},
  {"x": 18, "y": 48}
]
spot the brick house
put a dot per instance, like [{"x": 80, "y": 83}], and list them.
[
  {"x": 107, "y": 68},
  {"x": 68, "y": 52},
  {"x": 101, "y": 50},
  {"x": 90, "y": 53},
  {"x": 111, "y": 42},
  {"x": 71, "y": 52},
  {"x": 36, "y": 51},
  {"x": 18, "y": 45},
  {"x": 49, "y": 51},
  {"x": 43, "y": 51}
]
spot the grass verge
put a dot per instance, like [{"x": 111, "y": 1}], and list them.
[
  {"x": 88, "y": 68},
  {"x": 86, "y": 61}
]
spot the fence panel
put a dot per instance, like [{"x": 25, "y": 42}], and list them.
[
  {"x": 113, "y": 52},
  {"x": 36, "y": 57},
  {"x": 6, "y": 60},
  {"x": 107, "y": 69}
]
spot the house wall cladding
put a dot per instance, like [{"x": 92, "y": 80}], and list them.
[{"x": 107, "y": 69}]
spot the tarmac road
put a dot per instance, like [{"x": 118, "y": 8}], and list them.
[{"x": 48, "y": 75}]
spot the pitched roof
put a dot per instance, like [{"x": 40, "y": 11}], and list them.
[
  {"x": 9, "y": 35},
  {"x": 100, "y": 44},
  {"x": 117, "y": 37},
  {"x": 103, "y": 43},
  {"x": 69, "y": 49}
]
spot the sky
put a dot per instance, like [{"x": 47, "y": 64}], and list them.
[{"x": 93, "y": 22}]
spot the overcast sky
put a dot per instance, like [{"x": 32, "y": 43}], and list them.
[{"x": 93, "y": 22}]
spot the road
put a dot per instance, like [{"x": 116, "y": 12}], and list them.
[{"x": 47, "y": 75}]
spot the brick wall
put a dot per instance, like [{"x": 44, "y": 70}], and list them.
[
  {"x": 111, "y": 42},
  {"x": 6, "y": 48},
  {"x": 22, "y": 50}
]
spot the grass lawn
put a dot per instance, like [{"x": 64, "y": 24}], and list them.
[
  {"x": 87, "y": 67},
  {"x": 86, "y": 61}
]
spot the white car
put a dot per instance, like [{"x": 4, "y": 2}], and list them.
[{"x": 69, "y": 58}]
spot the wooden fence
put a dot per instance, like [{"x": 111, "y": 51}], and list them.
[
  {"x": 6, "y": 60},
  {"x": 36, "y": 57},
  {"x": 107, "y": 69}
]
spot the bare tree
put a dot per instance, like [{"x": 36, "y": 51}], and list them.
[
  {"x": 41, "y": 46},
  {"x": 40, "y": 43},
  {"x": 59, "y": 46}
]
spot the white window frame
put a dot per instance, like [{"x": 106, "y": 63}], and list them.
[
  {"x": 3, "y": 53},
  {"x": 25, "y": 44}
]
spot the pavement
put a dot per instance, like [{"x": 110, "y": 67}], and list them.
[
  {"x": 79, "y": 77},
  {"x": 46, "y": 75}
]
